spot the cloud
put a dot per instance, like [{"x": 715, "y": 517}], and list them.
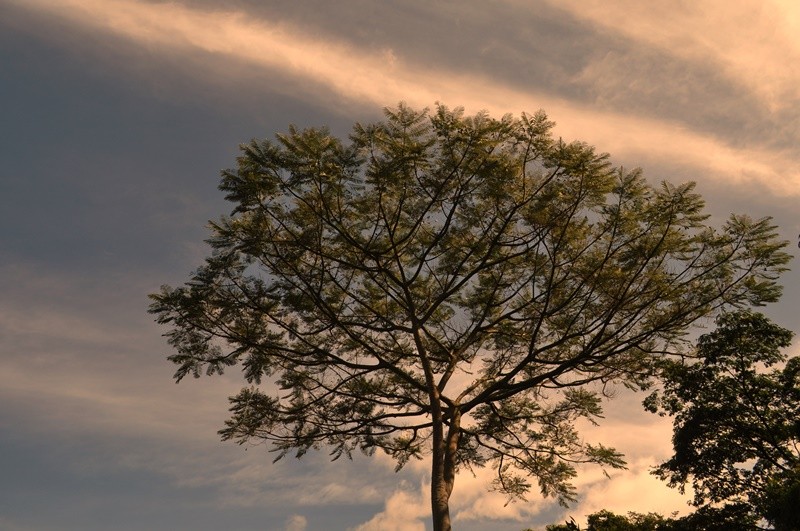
[
  {"x": 473, "y": 501},
  {"x": 296, "y": 522},
  {"x": 404, "y": 511},
  {"x": 633, "y": 490},
  {"x": 82, "y": 366},
  {"x": 753, "y": 42},
  {"x": 321, "y": 69}
]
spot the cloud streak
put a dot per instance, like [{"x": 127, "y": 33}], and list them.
[
  {"x": 754, "y": 43},
  {"x": 384, "y": 77}
]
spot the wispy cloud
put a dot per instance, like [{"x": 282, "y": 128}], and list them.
[
  {"x": 383, "y": 77},
  {"x": 754, "y": 42}
]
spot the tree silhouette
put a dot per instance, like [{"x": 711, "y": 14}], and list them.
[{"x": 736, "y": 421}]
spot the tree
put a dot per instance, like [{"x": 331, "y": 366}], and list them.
[
  {"x": 608, "y": 521},
  {"x": 732, "y": 517},
  {"x": 566, "y": 526},
  {"x": 451, "y": 285},
  {"x": 737, "y": 420},
  {"x": 729, "y": 517}
]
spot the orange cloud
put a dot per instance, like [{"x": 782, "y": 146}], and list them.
[
  {"x": 405, "y": 511},
  {"x": 754, "y": 42},
  {"x": 382, "y": 77}
]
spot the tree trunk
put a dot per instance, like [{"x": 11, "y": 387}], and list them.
[{"x": 443, "y": 471}]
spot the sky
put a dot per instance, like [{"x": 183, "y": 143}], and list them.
[{"x": 116, "y": 117}]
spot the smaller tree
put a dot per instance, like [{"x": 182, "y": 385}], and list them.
[
  {"x": 608, "y": 521},
  {"x": 737, "y": 419},
  {"x": 566, "y": 526},
  {"x": 731, "y": 517}
]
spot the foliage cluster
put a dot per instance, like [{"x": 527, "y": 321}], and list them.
[
  {"x": 736, "y": 416},
  {"x": 732, "y": 517}
]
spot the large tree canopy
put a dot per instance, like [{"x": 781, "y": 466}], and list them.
[
  {"x": 450, "y": 285},
  {"x": 737, "y": 420}
]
